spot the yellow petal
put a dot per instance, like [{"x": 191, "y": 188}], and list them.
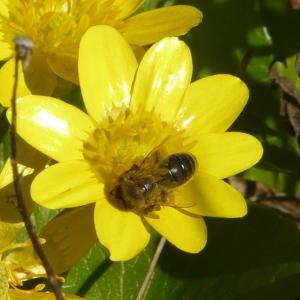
[
  {"x": 54, "y": 127},
  {"x": 8, "y": 211},
  {"x": 6, "y": 50},
  {"x": 212, "y": 104},
  {"x": 4, "y": 286},
  {"x": 4, "y": 8},
  {"x": 225, "y": 154},
  {"x": 63, "y": 247},
  {"x": 151, "y": 26},
  {"x": 162, "y": 78},
  {"x": 127, "y": 7},
  {"x": 186, "y": 232},
  {"x": 39, "y": 77},
  {"x": 7, "y": 79},
  {"x": 30, "y": 295},
  {"x": 65, "y": 66},
  {"x": 123, "y": 233},
  {"x": 25, "y": 259},
  {"x": 66, "y": 184},
  {"x": 212, "y": 197},
  {"x": 8, "y": 233},
  {"x": 6, "y": 175},
  {"x": 106, "y": 69},
  {"x": 29, "y": 160},
  {"x": 30, "y": 157}
]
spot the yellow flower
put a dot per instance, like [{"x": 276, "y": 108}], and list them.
[
  {"x": 57, "y": 26},
  {"x": 133, "y": 112},
  {"x": 18, "y": 261},
  {"x": 30, "y": 162}
]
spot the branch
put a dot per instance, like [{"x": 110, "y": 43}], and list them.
[
  {"x": 23, "y": 52},
  {"x": 151, "y": 268}
]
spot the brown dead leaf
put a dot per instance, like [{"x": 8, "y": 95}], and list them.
[{"x": 294, "y": 4}]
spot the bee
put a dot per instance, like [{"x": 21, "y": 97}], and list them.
[{"x": 146, "y": 187}]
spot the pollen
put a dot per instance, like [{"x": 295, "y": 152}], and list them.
[
  {"x": 125, "y": 139},
  {"x": 55, "y": 24}
]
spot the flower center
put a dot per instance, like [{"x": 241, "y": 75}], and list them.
[
  {"x": 133, "y": 157},
  {"x": 54, "y": 24}
]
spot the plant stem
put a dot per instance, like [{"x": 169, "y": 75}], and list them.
[
  {"x": 19, "y": 196},
  {"x": 151, "y": 268}
]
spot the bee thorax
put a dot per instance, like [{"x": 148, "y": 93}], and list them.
[
  {"x": 134, "y": 193},
  {"x": 138, "y": 189}
]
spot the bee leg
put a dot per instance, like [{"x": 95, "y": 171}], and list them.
[
  {"x": 156, "y": 208},
  {"x": 151, "y": 214},
  {"x": 165, "y": 197},
  {"x": 149, "y": 211},
  {"x": 124, "y": 204},
  {"x": 157, "y": 157}
]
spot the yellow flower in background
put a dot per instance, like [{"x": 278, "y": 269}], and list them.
[
  {"x": 18, "y": 258},
  {"x": 30, "y": 162},
  {"x": 137, "y": 114},
  {"x": 57, "y": 26},
  {"x": 19, "y": 263},
  {"x": 62, "y": 247}
]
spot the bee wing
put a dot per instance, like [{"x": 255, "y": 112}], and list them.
[
  {"x": 180, "y": 202},
  {"x": 153, "y": 157},
  {"x": 147, "y": 164}
]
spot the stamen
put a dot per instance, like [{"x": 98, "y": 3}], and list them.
[
  {"x": 53, "y": 24},
  {"x": 125, "y": 153}
]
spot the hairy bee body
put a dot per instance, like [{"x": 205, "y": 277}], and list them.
[{"x": 146, "y": 187}]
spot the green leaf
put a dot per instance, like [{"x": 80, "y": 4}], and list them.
[
  {"x": 252, "y": 258},
  {"x": 87, "y": 271},
  {"x": 256, "y": 257},
  {"x": 289, "y": 71},
  {"x": 96, "y": 277},
  {"x": 152, "y": 4},
  {"x": 283, "y": 182}
]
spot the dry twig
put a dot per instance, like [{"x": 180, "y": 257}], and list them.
[
  {"x": 23, "y": 52},
  {"x": 151, "y": 268}
]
